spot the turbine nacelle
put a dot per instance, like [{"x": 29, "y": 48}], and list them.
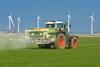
[{"x": 92, "y": 18}]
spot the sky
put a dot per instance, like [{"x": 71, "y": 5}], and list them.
[{"x": 28, "y": 10}]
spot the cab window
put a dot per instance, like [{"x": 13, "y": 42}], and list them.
[
  {"x": 59, "y": 25},
  {"x": 50, "y": 25}
]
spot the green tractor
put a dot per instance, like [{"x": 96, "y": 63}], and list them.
[{"x": 54, "y": 34}]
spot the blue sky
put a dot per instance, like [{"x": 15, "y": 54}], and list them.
[{"x": 28, "y": 10}]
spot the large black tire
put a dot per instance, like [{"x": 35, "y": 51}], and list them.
[
  {"x": 44, "y": 45},
  {"x": 60, "y": 41},
  {"x": 74, "y": 42}
]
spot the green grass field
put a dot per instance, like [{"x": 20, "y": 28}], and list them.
[{"x": 86, "y": 55}]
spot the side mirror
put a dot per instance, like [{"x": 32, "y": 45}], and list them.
[{"x": 70, "y": 26}]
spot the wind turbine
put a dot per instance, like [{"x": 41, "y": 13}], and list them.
[
  {"x": 10, "y": 22},
  {"x": 69, "y": 19},
  {"x": 38, "y": 21},
  {"x": 92, "y": 21},
  {"x": 19, "y": 20}
]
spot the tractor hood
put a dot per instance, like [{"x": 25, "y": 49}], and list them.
[
  {"x": 49, "y": 30},
  {"x": 40, "y": 29},
  {"x": 35, "y": 32}
]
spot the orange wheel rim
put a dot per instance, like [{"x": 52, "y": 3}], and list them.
[
  {"x": 75, "y": 43},
  {"x": 61, "y": 41}
]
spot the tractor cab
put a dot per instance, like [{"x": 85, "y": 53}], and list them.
[{"x": 55, "y": 24}]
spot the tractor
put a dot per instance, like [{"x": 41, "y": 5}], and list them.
[{"x": 54, "y": 34}]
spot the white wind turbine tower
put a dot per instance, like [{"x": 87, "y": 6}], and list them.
[
  {"x": 19, "y": 20},
  {"x": 10, "y": 22},
  {"x": 92, "y": 21},
  {"x": 38, "y": 21},
  {"x": 69, "y": 19}
]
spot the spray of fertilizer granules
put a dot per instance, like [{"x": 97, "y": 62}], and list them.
[{"x": 10, "y": 42}]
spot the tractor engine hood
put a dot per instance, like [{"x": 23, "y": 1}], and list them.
[
  {"x": 40, "y": 29},
  {"x": 49, "y": 30},
  {"x": 40, "y": 32},
  {"x": 41, "y": 35}
]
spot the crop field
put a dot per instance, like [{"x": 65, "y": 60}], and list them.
[{"x": 13, "y": 53}]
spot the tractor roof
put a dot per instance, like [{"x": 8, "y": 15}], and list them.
[{"x": 52, "y": 22}]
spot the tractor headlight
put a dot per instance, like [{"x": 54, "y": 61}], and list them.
[{"x": 46, "y": 35}]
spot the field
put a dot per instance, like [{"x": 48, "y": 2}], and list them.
[{"x": 86, "y": 55}]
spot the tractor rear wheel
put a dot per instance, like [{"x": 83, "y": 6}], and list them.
[
  {"x": 44, "y": 45},
  {"x": 74, "y": 42},
  {"x": 60, "y": 41}
]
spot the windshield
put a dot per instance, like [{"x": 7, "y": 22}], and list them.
[
  {"x": 50, "y": 25},
  {"x": 58, "y": 25}
]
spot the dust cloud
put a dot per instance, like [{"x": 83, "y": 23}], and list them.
[{"x": 12, "y": 42}]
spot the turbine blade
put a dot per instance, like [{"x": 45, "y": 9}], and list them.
[
  {"x": 12, "y": 21},
  {"x": 93, "y": 19},
  {"x": 93, "y": 13},
  {"x": 70, "y": 17}
]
